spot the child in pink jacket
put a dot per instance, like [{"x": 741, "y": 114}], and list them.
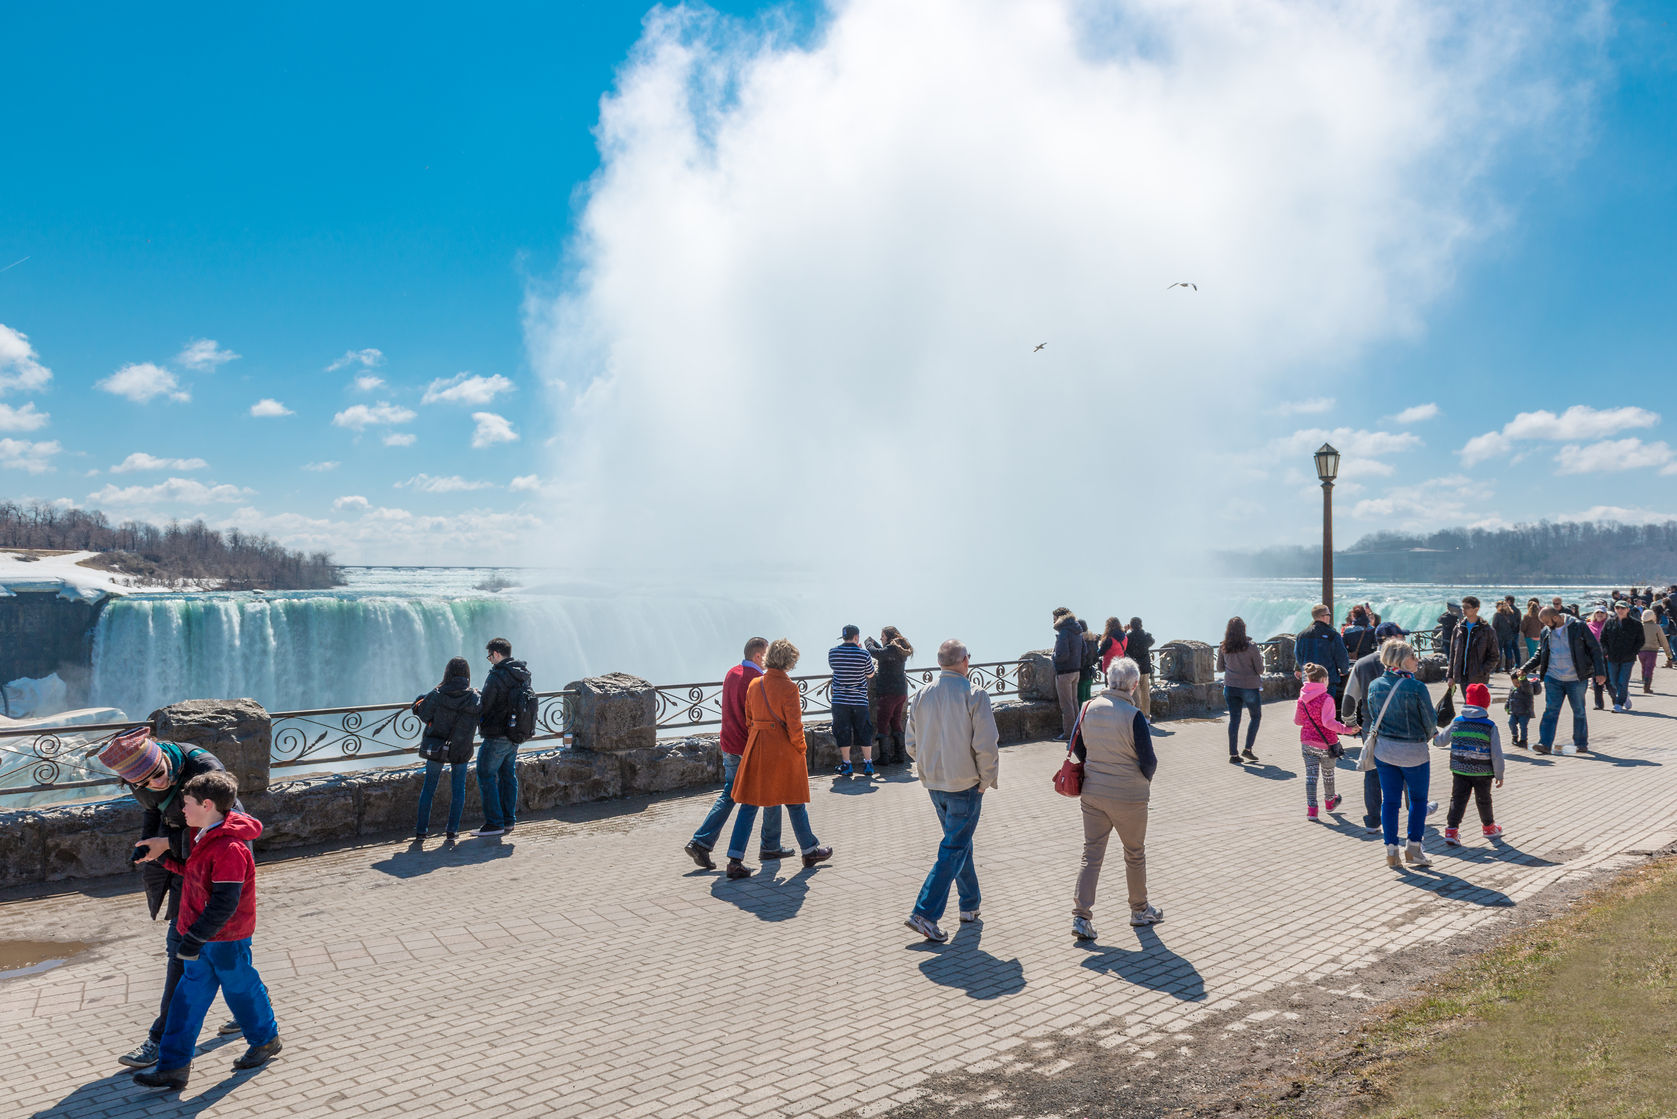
[{"x": 1319, "y": 731}]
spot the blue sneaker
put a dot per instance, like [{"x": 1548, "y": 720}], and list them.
[
  {"x": 867, "y": 769},
  {"x": 844, "y": 769}
]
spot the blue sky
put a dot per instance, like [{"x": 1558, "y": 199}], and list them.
[{"x": 373, "y": 192}]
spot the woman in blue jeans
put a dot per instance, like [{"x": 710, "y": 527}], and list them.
[
  {"x": 449, "y": 712},
  {"x": 1401, "y": 722},
  {"x": 1242, "y": 664}
]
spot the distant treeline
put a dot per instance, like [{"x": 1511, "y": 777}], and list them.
[
  {"x": 172, "y": 555},
  {"x": 1596, "y": 552}
]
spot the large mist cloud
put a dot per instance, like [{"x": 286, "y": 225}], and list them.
[{"x": 796, "y": 326}]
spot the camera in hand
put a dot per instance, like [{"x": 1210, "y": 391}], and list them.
[{"x": 140, "y": 852}]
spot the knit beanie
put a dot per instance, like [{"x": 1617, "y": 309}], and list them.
[
  {"x": 1478, "y": 695},
  {"x": 132, "y": 755}
]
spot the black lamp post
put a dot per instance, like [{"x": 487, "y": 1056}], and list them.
[{"x": 1327, "y": 469}]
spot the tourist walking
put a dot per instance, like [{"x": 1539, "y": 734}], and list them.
[
  {"x": 1567, "y": 655},
  {"x": 1506, "y": 624},
  {"x": 1116, "y": 748},
  {"x": 216, "y": 922},
  {"x": 952, "y": 737},
  {"x": 852, "y": 667},
  {"x": 1068, "y": 662},
  {"x": 1521, "y": 706},
  {"x": 1319, "y": 643},
  {"x": 890, "y": 686},
  {"x": 1654, "y": 642},
  {"x": 1365, "y": 672},
  {"x": 1319, "y": 731},
  {"x": 1242, "y": 664},
  {"x": 1473, "y": 650},
  {"x": 774, "y": 769},
  {"x": 1359, "y": 636},
  {"x": 1668, "y": 627},
  {"x": 735, "y": 730},
  {"x": 1531, "y": 627},
  {"x": 156, "y": 774},
  {"x": 450, "y": 713},
  {"x": 506, "y": 691},
  {"x": 1621, "y": 641},
  {"x": 1595, "y": 623},
  {"x": 1403, "y": 721},
  {"x": 1475, "y": 745},
  {"x": 1138, "y": 646}
]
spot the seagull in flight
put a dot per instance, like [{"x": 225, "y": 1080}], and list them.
[
  {"x": 1039, "y": 347},
  {"x": 1184, "y": 284}
]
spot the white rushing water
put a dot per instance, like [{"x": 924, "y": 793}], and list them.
[{"x": 385, "y": 637}]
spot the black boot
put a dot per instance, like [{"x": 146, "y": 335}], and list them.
[
  {"x": 258, "y": 1055},
  {"x": 172, "y": 1078}
]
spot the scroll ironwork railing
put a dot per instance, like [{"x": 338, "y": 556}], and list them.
[
  {"x": 700, "y": 705},
  {"x": 387, "y": 730},
  {"x": 57, "y": 758}
]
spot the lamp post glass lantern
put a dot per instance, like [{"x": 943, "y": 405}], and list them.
[{"x": 1327, "y": 469}]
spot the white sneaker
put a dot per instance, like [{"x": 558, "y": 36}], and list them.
[
  {"x": 1415, "y": 856},
  {"x": 1152, "y": 915},
  {"x": 927, "y": 929},
  {"x": 1432, "y": 807},
  {"x": 1082, "y": 929},
  {"x": 143, "y": 1057},
  {"x": 1393, "y": 859},
  {"x": 968, "y": 916}
]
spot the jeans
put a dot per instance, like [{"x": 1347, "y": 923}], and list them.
[
  {"x": 799, "y": 814},
  {"x": 711, "y": 830},
  {"x": 850, "y": 724},
  {"x": 1553, "y": 692},
  {"x": 1480, "y": 788},
  {"x": 1395, "y": 780},
  {"x": 1531, "y": 647},
  {"x": 456, "y": 791},
  {"x": 1510, "y": 654},
  {"x": 958, "y": 813},
  {"x": 171, "y": 979},
  {"x": 1517, "y": 725},
  {"x": 497, "y": 782},
  {"x": 1251, "y": 699},
  {"x": 223, "y": 965},
  {"x": 1618, "y": 681}
]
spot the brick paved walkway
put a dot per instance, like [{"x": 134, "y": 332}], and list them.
[{"x": 586, "y": 968}]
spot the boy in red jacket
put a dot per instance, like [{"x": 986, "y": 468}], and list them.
[{"x": 217, "y": 918}]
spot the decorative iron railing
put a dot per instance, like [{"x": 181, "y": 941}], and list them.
[
  {"x": 57, "y": 757},
  {"x": 388, "y": 730}
]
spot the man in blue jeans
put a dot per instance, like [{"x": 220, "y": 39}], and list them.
[
  {"x": 1567, "y": 656},
  {"x": 497, "y": 758},
  {"x": 735, "y": 731},
  {"x": 952, "y": 739}
]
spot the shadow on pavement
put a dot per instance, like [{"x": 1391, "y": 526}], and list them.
[
  {"x": 852, "y": 786},
  {"x": 1269, "y": 772},
  {"x": 413, "y": 860},
  {"x": 1498, "y": 851},
  {"x": 766, "y": 896},
  {"x": 964, "y": 965},
  {"x": 118, "y": 1092},
  {"x": 1152, "y": 965},
  {"x": 1434, "y": 881},
  {"x": 1624, "y": 763}
]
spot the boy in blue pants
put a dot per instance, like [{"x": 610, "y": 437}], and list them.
[{"x": 217, "y": 919}]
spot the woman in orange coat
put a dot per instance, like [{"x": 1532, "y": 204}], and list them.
[{"x": 774, "y": 770}]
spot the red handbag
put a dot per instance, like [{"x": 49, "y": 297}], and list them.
[{"x": 1068, "y": 782}]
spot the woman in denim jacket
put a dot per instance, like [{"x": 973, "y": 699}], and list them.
[{"x": 1401, "y": 721}]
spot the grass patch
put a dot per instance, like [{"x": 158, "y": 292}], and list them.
[{"x": 1570, "y": 1018}]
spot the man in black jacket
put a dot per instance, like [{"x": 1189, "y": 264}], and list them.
[
  {"x": 155, "y": 773},
  {"x": 1475, "y": 651},
  {"x": 1621, "y": 640},
  {"x": 1319, "y": 643},
  {"x": 1567, "y": 656},
  {"x": 497, "y": 759},
  {"x": 1068, "y": 664}
]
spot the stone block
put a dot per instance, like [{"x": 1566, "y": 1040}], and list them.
[
  {"x": 22, "y": 847},
  {"x": 237, "y": 731},
  {"x": 1036, "y": 676},
  {"x": 308, "y": 810},
  {"x": 680, "y": 764},
  {"x": 1432, "y": 668},
  {"x": 1279, "y": 686},
  {"x": 89, "y": 840},
  {"x": 557, "y": 777},
  {"x": 1027, "y": 722},
  {"x": 615, "y": 712},
  {"x": 822, "y": 747},
  {"x": 388, "y": 800},
  {"x": 1278, "y": 654},
  {"x": 1188, "y": 701},
  {"x": 1189, "y": 662}
]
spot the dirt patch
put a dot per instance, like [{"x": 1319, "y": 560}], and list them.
[{"x": 1293, "y": 1051}]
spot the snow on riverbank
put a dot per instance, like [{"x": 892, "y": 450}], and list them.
[{"x": 65, "y": 574}]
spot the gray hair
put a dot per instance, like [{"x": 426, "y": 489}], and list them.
[
  {"x": 1650, "y": 616},
  {"x": 1123, "y": 674},
  {"x": 1393, "y": 653},
  {"x": 951, "y": 653}
]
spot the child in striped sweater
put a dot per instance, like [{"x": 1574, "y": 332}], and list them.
[
  {"x": 1475, "y": 744},
  {"x": 1319, "y": 731}
]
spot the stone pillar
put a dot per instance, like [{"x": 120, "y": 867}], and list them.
[
  {"x": 614, "y": 712},
  {"x": 237, "y": 731},
  {"x": 1191, "y": 662},
  {"x": 1279, "y": 657},
  {"x": 1036, "y": 676}
]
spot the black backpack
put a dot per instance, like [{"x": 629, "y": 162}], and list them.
[{"x": 521, "y": 714}]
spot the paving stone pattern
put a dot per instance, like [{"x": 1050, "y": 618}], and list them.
[{"x": 583, "y": 967}]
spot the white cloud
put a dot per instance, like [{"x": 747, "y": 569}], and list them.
[
  {"x": 140, "y": 460},
  {"x": 268, "y": 406},
  {"x": 25, "y": 418},
  {"x": 369, "y": 382},
  {"x": 362, "y": 416},
  {"x": 425, "y": 483},
  {"x": 1610, "y": 456},
  {"x": 492, "y": 429},
  {"x": 183, "y": 491},
  {"x": 368, "y": 358},
  {"x": 1455, "y": 499},
  {"x": 143, "y": 381},
  {"x": 1619, "y": 514},
  {"x": 31, "y": 458},
  {"x": 20, "y": 369},
  {"x": 1314, "y": 406},
  {"x": 1578, "y": 422},
  {"x": 321, "y": 467},
  {"x": 1415, "y": 415},
  {"x": 525, "y": 483},
  {"x": 400, "y": 439},
  {"x": 203, "y": 355},
  {"x": 466, "y": 388},
  {"x": 384, "y": 535},
  {"x": 351, "y": 501},
  {"x": 1320, "y": 169}
]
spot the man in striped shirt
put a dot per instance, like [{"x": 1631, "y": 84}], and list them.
[{"x": 852, "y": 665}]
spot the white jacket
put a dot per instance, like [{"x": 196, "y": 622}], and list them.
[{"x": 952, "y": 735}]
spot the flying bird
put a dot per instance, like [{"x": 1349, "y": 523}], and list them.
[
  {"x": 12, "y": 265},
  {"x": 1039, "y": 347},
  {"x": 1184, "y": 284}
]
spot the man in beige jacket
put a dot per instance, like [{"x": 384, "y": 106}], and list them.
[{"x": 952, "y": 739}]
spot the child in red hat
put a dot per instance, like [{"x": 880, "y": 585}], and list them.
[{"x": 1475, "y": 744}]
